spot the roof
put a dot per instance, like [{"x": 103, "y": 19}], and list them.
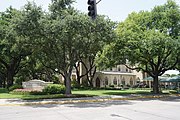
[
  {"x": 151, "y": 79},
  {"x": 117, "y": 73},
  {"x": 172, "y": 79}
]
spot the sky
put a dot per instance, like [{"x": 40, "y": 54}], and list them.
[{"x": 116, "y": 10}]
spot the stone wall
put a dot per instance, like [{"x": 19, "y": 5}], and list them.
[{"x": 35, "y": 84}]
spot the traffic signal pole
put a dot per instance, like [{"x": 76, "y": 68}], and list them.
[
  {"x": 92, "y": 9},
  {"x": 98, "y": 2}
]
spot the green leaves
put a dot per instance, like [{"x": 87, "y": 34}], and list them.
[{"x": 148, "y": 40}]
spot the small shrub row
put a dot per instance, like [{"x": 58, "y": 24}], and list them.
[
  {"x": 16, "y": 86},
  {"x": 54, "y": 89},
  {"x": 49, "y": 89},
  {"x": 3, "y": 90},
  {"x": 27, "y": 92}
]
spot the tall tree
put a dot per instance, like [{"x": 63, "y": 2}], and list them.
[
  {"x": 148, "y": 41},
  {"x": 97, "y": 34},
  {"x": 70, "y": 37},
  {"x": 15, "y": 45},
  {"x": 61, "y": 46}
]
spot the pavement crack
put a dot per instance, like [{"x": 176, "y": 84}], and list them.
[{"x": 115, "y": 115}]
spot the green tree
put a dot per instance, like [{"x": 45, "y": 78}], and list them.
[
  {"x": 97, "y": 34},
  {"x": 69, "y": 37},
  {"x": 61, "y": 46},
  {"x": 17, "y": 33},
  {"x": 146, "y": 42}
]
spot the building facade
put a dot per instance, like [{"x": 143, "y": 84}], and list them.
[{"x": 117, "y": 77}]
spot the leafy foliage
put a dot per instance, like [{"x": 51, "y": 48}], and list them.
[
  {"x": 54, "y": 89},
  {"x": 148, "y": 41},
  {"x": 3, "y": 90},
  {"x": 16, "y": 86}
]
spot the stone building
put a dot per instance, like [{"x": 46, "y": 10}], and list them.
[{"x": 117, "y": 77}]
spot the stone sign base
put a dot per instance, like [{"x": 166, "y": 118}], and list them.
[{"x": 35, "y": 84}]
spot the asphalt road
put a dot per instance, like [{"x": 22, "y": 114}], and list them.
[{"x": 164, "y": 109}]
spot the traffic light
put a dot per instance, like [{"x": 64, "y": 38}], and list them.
[{"x": 92, "y": 9}]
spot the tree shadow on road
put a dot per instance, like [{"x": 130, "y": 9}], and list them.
[{"x": 100, "y": 104}]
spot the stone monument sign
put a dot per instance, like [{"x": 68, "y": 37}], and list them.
[{"x": 35, "y": 84}]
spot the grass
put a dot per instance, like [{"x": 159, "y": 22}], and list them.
[
  {"x": 37, "y": 97},
  {"x": 110, "y": 92},
  {"x": 77, "y": 93},
  {"x": 9, "y": 96},
  {"x": 3, "y": 90}
]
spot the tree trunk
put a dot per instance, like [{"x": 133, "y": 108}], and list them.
[
  {"x": 68, "y": 83},
  {"x": 78, "y": 76},
  {"x": 92, "y": 76},
  {"x": 10, "y": 75},
  {"x": 4, "y": 83},
  {"x": 156, "y": 85}
]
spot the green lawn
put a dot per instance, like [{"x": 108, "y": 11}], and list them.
[
  {"x": 77, "y": 93},
  {"x": 36, "y": 97},
  {"x": 7, "y": 95},
  {"x": 110, "y": 92}
]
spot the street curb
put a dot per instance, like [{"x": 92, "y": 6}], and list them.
[{"x": 89, "y": 100}]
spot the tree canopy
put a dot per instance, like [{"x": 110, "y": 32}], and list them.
[
  {"x": 148, "y": 41},
  {"x": 35, "y": 42}
]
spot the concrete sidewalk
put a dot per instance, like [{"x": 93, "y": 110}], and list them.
[{"x": 20, "y": 102}]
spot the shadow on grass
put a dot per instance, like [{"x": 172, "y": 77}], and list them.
[
  {"x": 3, "y": 90},
  {"x": 128, "y": 93}
]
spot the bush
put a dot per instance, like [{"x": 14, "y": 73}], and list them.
[
  {"x": 111, "y": 86},
  {"x": 21, "y": 91},
  {"x": 3, "y": 90},
  {"x": 173, "y": 91},
  {"x": 74, "y": 84},
  {"x": 27, "y": 92},
  {"x": 54, "y": 89},
  {"x": 37, "y": 93},
  {"x": 16, "y": 86}
]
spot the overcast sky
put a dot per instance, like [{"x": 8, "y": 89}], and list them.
[{"x": 117, "y": 10}]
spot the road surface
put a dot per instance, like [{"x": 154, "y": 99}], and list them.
[{"x": 163, "y": 109}]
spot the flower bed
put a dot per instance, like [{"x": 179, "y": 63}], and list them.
[{"x": 27, "y": 92}]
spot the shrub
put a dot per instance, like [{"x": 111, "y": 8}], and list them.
[
  {"x": 16, "y": 86},
  {"x": 111, "y": 85},
  {"x": 37, "y": 93},
  {"x": 74, "y": 84},
  {"x": 27, "y": 92},
  {"x": 3, "y": 90},
  {"x": 21, "y": 91},
  {"x": 173, "y": 91},
  {"x": 54, "y": 89}
]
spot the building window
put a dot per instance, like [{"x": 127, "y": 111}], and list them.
[
  {"x": 131, "y": 82},
  {"x": 106, "y": 81},
  {"x": 115, "y": 81},
  {"x": 119, "y": 69},
  {"x": 123, "y": 81},
  {"x": 111, "y": 69}
]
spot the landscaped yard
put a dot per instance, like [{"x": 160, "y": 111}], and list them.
[
  {"x": 78, "y": 93},
  {"x": 110, "y": 92},
  {"x": 30, "y": 97}
]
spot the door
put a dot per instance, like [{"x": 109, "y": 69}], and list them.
[{"x": 98, "y": 82}]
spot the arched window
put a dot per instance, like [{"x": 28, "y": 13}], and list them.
[
  {"x": 131, "y": 81},
  {"x": 123, "y": 81},
  {"x": 106, "y": 81},
  {"x": 115, "y": 81}
]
